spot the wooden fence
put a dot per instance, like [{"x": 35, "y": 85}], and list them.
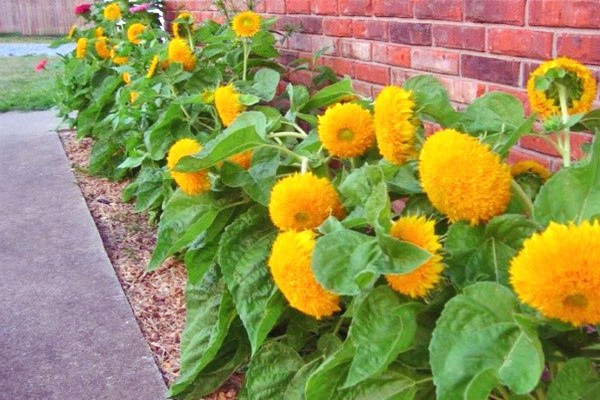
[{"x": 37, "y": 17}]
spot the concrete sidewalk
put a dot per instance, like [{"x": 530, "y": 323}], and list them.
[{"x": 66, "y": 328}]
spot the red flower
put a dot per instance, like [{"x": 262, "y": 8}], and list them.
[
  {"x": 82, "y": 8},
  {"x": 41, "y": 65}
]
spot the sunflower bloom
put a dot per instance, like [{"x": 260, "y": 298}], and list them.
[
  {"x": 463, "y": 178},
  {"x": 191, "y": 183},
  {"x": 112, "y": 12},
  {"x": 228, "y": 104},
  {"x": 242, "y": 159},
  {"x": 420, "y": 232},
  {"x": 557, "y": 272},
  {"x": 119, "y": 60},
  {"x": 394, "y": 127},
  {"x": 126, "y": 76},
  {"x": 346, "y": 130},
  {"x": 548, "y": 105},
  {"x": 152, "y": 68},
  {"x": 246, "y": 24},
  {"x": 290, "y": 265},
  {"x": 303, "y": 201},
  {"x": 81, "y": 47},
  {"x": 175, "y": 27},
  {"x": 134, "y": 31},
  {"x": 179, "y": 52},
  {"x": 98, "y": 32},
  {"x": 102, "y": 49},
  {"x": 133, "y": 96},
  {"x": 72, "y": 32},
  {"x": 530, "y": 167}
]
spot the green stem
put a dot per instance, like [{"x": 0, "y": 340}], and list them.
[
  {"x": 246, "y": 55},
  {"x": 304, "y": 166},
  {"x": 522, "y": 196},
  {"x": 286, "y": 134},
  {"x": 174, "y": 91},
  {"x": 565, "y": 142},
  {"x": 338, "y": 325},
  {"x": 189, "y": 35},
  {"x": 505, "y": 394},
  {"x": 284, "y": 150},
  {"x": 549, "y": 141}
]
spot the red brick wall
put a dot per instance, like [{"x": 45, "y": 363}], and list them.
[{"x": 472, "y": 46}]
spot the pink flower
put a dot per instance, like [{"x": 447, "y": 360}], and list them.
[
  {"x": 82, "y": 8},
  {"x": 41, "y": 65},
  {"x": 141, "y": 7}
]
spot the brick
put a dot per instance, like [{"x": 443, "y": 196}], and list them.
[
  {"x": 307, "y": 24},
  {"x": 461, "y": 90},
  {"x": 584, "y": 48},
  {"x": 562, "y": 13},
  {"x": 355, "y": 7},
  {"x": 520, "y": 42},
  {"x": 356, "y": 50},
  {"x": 391, "y": 54},
  {"x": 459, "y": 37},
  {"x": 393, "y": 8},
  {"x": 398, "y": 76},
  {"x": 490, "y": 69},
  {"x": 372, "y": 73},
  {"x": 439, "y": 9},
  {"x": 510, "y": 12},
  {"x": 327, "y": 44},
  {"x": 410, "y": 33},
  {"x": 541, "y": 146},
  {"x": 370, "y": 29},
  {"x": 362, "y": 88},
  {"x": 337, "y": 26},
  {"x": 297, "y": 7},
  {"x": 435, "y": 61},
  {"x": 300, "y": 42},
  {"x": 519, "y": 154},
  {"x": 341, "y": 66},
  {"x": 526, "y": 69},
  {"x": 323, "y": 7}
]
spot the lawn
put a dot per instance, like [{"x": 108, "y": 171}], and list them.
[
  {"x": 22, "y": 87},
  {"x": 17, "y": 38}
]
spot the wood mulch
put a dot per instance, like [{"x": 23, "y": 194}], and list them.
[{"x": 157, "y": 298}]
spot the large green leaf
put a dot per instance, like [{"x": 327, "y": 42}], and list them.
[
  {"x": 210, "y": 312},
  {"x": 481, "y": 341},
  {"x": 170, "y": 126},
  {"x": 382, "y": 327},
  {"x": 431, "y": 99},
  {"x": 578, "y": 379},
  {"x": 243, "y": 252},
  {"x": 270, "y": 371},
  {"x": 366, "y": 189},
  {"x": 483, "y": 252},
  {"x": 572, "y": 194},
  {"x": 589, "y": 122},
  {"x": 495, "y": 112},
  {"x": 296, "y": 388},
  {"x": 329, "y": 95},
  {"x": 265, "y": 84}
]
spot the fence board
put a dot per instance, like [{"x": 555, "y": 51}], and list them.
[{"x": 37, "y": 17}]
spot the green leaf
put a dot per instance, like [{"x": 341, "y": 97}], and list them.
[
  {"x": 504, "y": 144},
  {"x": 366, "y": 188},
  {"x": 431, "y": 99},
  {"x": 299, "y": 96},
  {"x": 402, "y": 257},
  {"x": 492, "y": 113},
  {"x": 265, "y": 83},
  {"x": 589, "y": 122},
  {"x": 105, "y": 158},
  {"x": 480, "y": 341},
  {"x": 169, "y": 127},
  {"x": 572, "y": 194},
  {"x": 381, "y": 328},
  {"x": 329, "y": 95},
  {"x": 243, "y": 251},
  {"x": 296, "y": 388},
  {"x": 578, "y": 379},
  {"x": 483, "y": 252},
  {"x": 269, "y": 372},
  {"x": 210, "y": 312}
]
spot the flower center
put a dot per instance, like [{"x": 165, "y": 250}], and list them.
[
  {"x": 247, "y": 23},
  {"x": 576, "y": 300},
  {"x": 345, "y": 134},
  {"x": 302, "y": 217}
]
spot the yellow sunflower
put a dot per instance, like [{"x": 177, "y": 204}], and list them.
[
  {"x": 175, "y": 25},
  {"x": 133, "y": 96},
  {"x": 191, "y": 183},
  {"x": 346, "y": 130},
  {"x": 530, "y": 167},
  {"x": 98, "y": 32},
  {"x": 126, "y": 76},
  {"x": 81, "y": 47},
  {"x": 112, "y": 12},
  {"x": 119, "y": 60},
  {"x": 179, "y": 52},
  {"x": 152, "y": 68},
  {"x": 557, "y": 272},
  {"x": 463, "y": 178},
  {"x": 242, "y": 159},
  {"x": 101, "y": 46},
  {"x": 420, "y": 232},
  {"x": 246, "y": 24},
  {"x": 394, "y": 127},
  {"x": 228, "y": 104},
  {"x": 290, "y": 265},
  {"x": 134, "y": 31},
  {"x": 72, "y": 32},
  {"x": 303, "y": 201},
  {"x": 548, "y": 104}
]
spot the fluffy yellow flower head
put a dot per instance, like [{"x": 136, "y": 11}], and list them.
[
  {"x": 98, "y": 32},
  {"x": 72, "y": 32},
  {"x": 463, "y": 178},
  {"x": 175, "y": 25},
  {"x": 101, "y": 46},
  {"x": 133, "y": 96},
  {"x": 394, "y": 125},
  {"x": 303, "y": 201},
  {"x": 346, "y": 130},
  {"x": 191, "y": 183},
  {"x": 112, "y": 12},
  {"x": 228, "y": 104},
  {"x": 119, "y": 60},
  {"x": 179, "y": 52},
  {"x": 242, "y": 159},
  {"x": 134, "y": 31},
  {"x": 530, "y": 167},
  {"x": 81, "y": 47},
  {"x": 246, "y": 24},
  {"x": 557, "y": 272},
  {"x": 152, "y": 68},
  {"x": 547, "y": 105},
  {"x": 290, "y": 265},
  {"x": 126, "y": 76},
  {"x": 420, "y": 232}
]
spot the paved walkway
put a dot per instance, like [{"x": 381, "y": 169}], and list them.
[
  {"x": 26, "y": 49},
  {"x": 66, "y": 328}
]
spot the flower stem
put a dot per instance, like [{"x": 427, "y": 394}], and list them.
[
  {"x": 287, "y": 134},
  {"x": 246, "y": 55},
  {"x": 304, "y": 167},
  {"x": 564, "y": 136},
  {"x": 523, "y": 198}
]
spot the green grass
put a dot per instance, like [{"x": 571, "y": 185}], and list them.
[
  {"x": 25, "y": 89},
  {"x": 18, "y": 38}
]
